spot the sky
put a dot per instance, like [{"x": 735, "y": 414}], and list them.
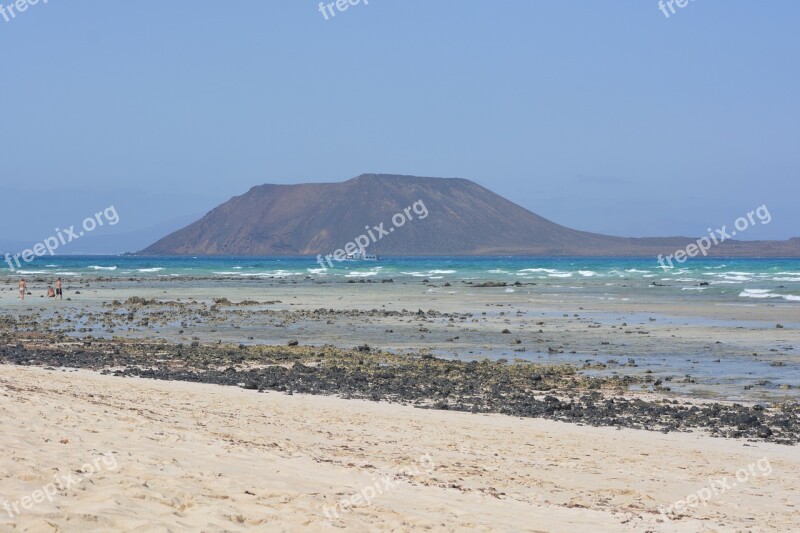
[{"x": 602, "y": 116}]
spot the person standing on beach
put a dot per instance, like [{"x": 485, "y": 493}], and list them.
[
  {"x": 58, "y": 289},
  {"x": 23, "y": 288}
]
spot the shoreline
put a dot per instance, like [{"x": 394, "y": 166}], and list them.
[
  {"x": 702, "y": 349},
  {"x": 541, "y": 410},
  {"x": 519, "y": 389}
]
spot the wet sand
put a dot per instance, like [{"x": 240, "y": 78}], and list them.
[{"x": 701, "y": 349}]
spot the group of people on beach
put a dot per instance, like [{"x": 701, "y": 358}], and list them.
[{"x": 51, "y": 293}]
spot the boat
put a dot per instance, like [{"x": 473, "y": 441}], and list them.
[{"x": 360, "y": 255}]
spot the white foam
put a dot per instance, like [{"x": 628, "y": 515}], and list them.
[
  {"x": 276, "y": 273},
  {"x": 746, "y": 294},
  {"x": 154, "y": 269},
  {"x": 766, "y": 293},
  {"x": 94, "y": 267},
  {"x": 361, "y": 274}
]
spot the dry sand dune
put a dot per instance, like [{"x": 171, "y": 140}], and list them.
[
  {"x": 190, "y": 457},
  {"x": 198, "y": 457}
]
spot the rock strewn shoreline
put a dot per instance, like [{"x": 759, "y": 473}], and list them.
[{"x": 554, "y": 392}]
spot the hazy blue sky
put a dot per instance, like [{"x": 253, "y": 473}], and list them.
[{"x": 605, "y": 116}]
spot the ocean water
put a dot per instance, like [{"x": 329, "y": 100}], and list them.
[
  {"x": 776, "y": 281},
  {"x": 721, "y": 372}
]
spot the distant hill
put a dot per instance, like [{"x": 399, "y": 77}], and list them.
[{"x": 463, "y": 218}]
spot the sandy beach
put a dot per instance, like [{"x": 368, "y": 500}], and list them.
[
  {"x": 192, "y": 457},
  {"x": 391, "y": 267},
  {"x": 609, "y": 420}
]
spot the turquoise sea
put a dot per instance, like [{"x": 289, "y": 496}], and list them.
[
  {"x": 598, "y": 283},
  {"x": 776, "y": 281}
]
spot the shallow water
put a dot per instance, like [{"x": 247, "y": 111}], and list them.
[
  {"x": 687, "y": 335},
  {"x": 725, "y": 280},
  {"x": 709, "y": 375}
]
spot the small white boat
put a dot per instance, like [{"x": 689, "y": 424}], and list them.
[{"x": 361, "y": 255}]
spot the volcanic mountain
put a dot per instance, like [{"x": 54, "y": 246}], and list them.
[{"x": 440, "y": 216}]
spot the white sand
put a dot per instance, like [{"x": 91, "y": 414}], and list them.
[{"x": 194, "y": 457}]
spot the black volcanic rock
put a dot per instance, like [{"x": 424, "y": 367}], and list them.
[{"x": 463, "y": 218}]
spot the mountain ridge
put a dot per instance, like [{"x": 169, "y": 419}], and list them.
[{"x": 463, "y": 218}]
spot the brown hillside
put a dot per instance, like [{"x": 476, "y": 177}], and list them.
[{"x": 463, "y": 219}]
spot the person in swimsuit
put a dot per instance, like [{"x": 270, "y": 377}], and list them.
[
  {"x": 23, "y": 288},
  {"x": 58, "y": 289},
  {"x": 51, "y": 293}
]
